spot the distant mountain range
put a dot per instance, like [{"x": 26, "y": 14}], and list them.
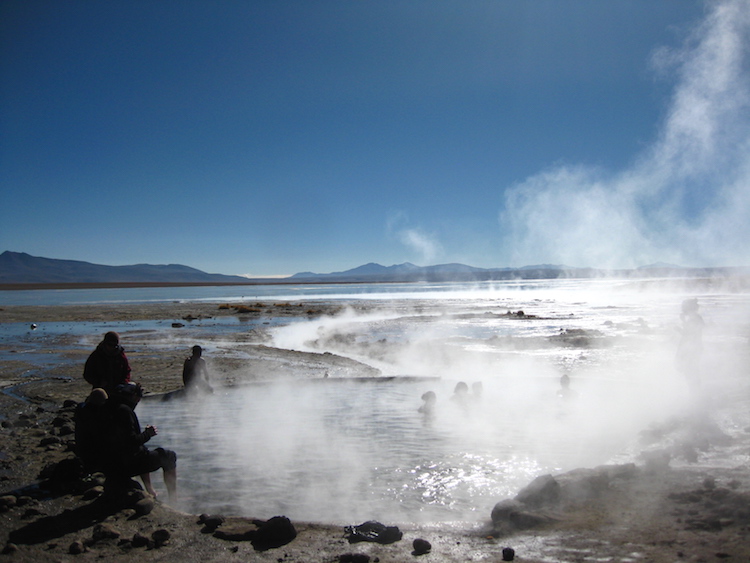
[{"x": 21, "y": 269}]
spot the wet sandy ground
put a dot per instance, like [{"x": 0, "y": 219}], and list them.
[{"x": 687, "y": 512}]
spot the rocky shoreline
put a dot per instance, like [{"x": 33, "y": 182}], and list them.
[{"x": 678, "y": 505}]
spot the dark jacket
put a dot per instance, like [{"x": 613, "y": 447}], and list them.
[{"x": 107, "y": 370}]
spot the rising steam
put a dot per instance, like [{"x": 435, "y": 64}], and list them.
[{"x": 685, "y": 199}]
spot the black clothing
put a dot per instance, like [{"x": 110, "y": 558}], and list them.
[
  {"x": 107, "y": 369},
  {"x": 91, "y": 436},
  {"x": 129, "y": 453}
]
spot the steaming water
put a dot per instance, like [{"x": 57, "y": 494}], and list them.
[
  {"x": 344, "y": 451},
  {"x": 336, "y": 450}
]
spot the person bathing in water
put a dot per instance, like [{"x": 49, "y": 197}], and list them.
[{"x": 195, "y": 372}]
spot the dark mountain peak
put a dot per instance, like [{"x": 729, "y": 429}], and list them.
[{"x": 22, "y": 268}]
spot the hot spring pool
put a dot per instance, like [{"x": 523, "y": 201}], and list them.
[{"x": 343, "y": 451}]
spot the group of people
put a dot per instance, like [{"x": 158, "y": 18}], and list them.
[
  {"x": 460, "y": 397},
  {"x": 108, "y": 433}
]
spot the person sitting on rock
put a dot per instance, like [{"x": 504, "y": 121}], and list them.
[
  {"x": 107, "y": 366},
  {"x": 195, "y": 372},
  {"x": 128, "y": 454},
  {"x": 91, "y": 431}
]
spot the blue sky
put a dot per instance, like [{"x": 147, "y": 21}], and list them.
[{"x": 273, "y": 137}]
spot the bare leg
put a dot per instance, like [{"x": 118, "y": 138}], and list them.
[
  {"x": 170, "y": 480},
  {"x": 146, "y": 478}
]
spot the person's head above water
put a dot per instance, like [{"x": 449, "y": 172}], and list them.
[
  {"x": 461, "y": 388},
  {"x": 429, "y": 397},
  {"x": 197, "y": 350}
]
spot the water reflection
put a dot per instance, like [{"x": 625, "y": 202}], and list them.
[{"x": 336, "y": 451}]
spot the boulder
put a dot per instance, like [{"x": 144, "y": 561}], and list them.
[{"x": 542, "y": 491}]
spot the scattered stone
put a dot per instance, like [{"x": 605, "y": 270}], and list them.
[
  {"x": 354, "y": 558},
  {"x": 144, "y": 506},
  {"x": 49, "y": 440},
  {"x": 160, "y": 537},
  {"x": 139, "y": 540},
  {"x": 7, "y": 502},
  {"x": 210, "y": 523},
  {"x": 104, "y": 532},
  {"x": 93, "y": 492},
  {"x": 59, "y": 421},
  {"x": 509, "y": 554},
  {"x": 76, "y": 548},
  {"x": 31, "y": 512},
  {"x": 23, "y": 500},
  {"x": 421, "y": 546},
  {"x": 10, "y": 548}
]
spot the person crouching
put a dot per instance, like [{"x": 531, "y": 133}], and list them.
[{"x": 128, "y": 454}]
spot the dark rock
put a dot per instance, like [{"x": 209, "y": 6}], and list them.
[
  {"x": 373, "y": 532},
  {"x": 10, "y": 548},
  {"x": 139, "y": 540},
  {"x": 509, "y": 554},
  {"x": 354, "y": 558},
  {"x": 93, "y": 492},
  {"x": 275, "y": 532},
  {"x": 502, "y": 511},
  {"x": 62, "y": 475},
  {"x": 210, "y": 523},
  {"x": 160, "y": 536},
  {"x": 8, "y": 501},
  {"x": 69, "y": 404},
  {"x": 421, "y": 546},
  {"x": 542, "y": 491},
  {"x": 49, "y": 440},
  {"x": 31, "y": 512},
  {"x": 104, "y": 532},
  {"x": 59, "y": 421},
  {"x": 144, "y": 506},
  {"x": 76, "y": 548}
]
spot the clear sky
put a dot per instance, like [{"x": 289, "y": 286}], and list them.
[{"x": 273, "y": 137}]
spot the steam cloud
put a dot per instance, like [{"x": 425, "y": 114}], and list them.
[{"x": 686, "y": 198}]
